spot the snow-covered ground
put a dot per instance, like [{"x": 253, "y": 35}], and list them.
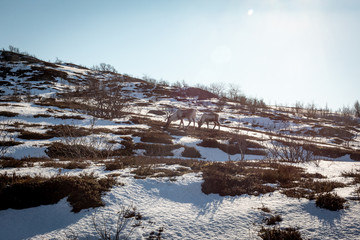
[{"x": 184, "y": 211}]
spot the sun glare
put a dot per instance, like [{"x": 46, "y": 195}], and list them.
[{"x": 250, "y": 12}]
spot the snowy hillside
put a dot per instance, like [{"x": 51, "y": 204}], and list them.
[{"x": 63, "y": 122}]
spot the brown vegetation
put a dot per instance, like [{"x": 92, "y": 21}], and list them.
[{"x": 23, "y": 192}]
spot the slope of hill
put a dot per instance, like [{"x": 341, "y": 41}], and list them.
[{"x": 62, "y": 120}]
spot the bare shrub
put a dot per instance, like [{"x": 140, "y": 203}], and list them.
[
  {"x": 105, "y": 102},
  {"x": 311, "y": 111},
  {"x": 216, "y": 88},
  {"x": 289, "y": 150},
  {"x": 73, "y": 145},
  {"x": 126, "y": 221},
  {"x": 234, "y": 92},
  {"x": 104, "y": 67}
]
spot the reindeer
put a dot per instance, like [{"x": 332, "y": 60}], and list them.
[
  {"x": 209, "y": 117},
  {"x": 180, "y": 114}
]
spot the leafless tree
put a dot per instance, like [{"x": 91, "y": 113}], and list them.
[
  {"x": 234, "y": 92},
  {"x": 357, "y": 109},
  {"x": 217, "y": 89}
]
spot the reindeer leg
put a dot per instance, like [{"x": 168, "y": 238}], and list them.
[
  {"x": 189, "y": 123},
  {"x": 181, "y": 122}
]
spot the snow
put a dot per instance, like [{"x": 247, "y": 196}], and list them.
[{"x": 184, "y": 211}]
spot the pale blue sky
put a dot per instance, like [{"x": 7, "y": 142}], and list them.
[{"x": 279, "y": 50}]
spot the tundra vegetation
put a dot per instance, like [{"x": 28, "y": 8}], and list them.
[{"x": 125, "y": 119}]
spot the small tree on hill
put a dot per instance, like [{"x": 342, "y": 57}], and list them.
[{"x": 357, "y": 109}]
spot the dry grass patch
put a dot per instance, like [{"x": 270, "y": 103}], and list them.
[
  {"x": 83, "y": 192},
  {"x": 71, "y": 151},
  {"x": 191, "y": 152},
  {"x": 68, "y": 131},
  {"x": 11, "y": 163},
  {"x": 244, "y": 177},
  {"x": 277, "y": 233},
  {"x": 153, "y": 171},
  {"x": 138, "y": 161},
  {"x": 330, "y": 201},
  {"x": 156, "y": 137},
  {"x": 68, "y": 165},
  {"x": 157, "y": 149}
]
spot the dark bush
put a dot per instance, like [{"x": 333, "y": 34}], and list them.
[
  {"x": 34, "y": 135},
  {"x": 229, "y": 179},
  {"x": 330, "y": 201},
  {"x": 157, "y": 149},
  {"x": 8, "y": 114},
  {"x": 210, "y": 143},
  {"x": 69, "y": 165},
  {"x": 68, "y": 131},
  {"x": 156, "y": 137},
  {"x": 276, "y": 233},
  {"x": 114, "y": 165},
  {"x": 191, "y": 152},
  {"x": 322, "y": 186},
  {"x": 23, "y": 192},
  {"x": 42, "y": 116},
  {"x": 11, "y": 163},
  {"x": 66, "y": 151}
]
